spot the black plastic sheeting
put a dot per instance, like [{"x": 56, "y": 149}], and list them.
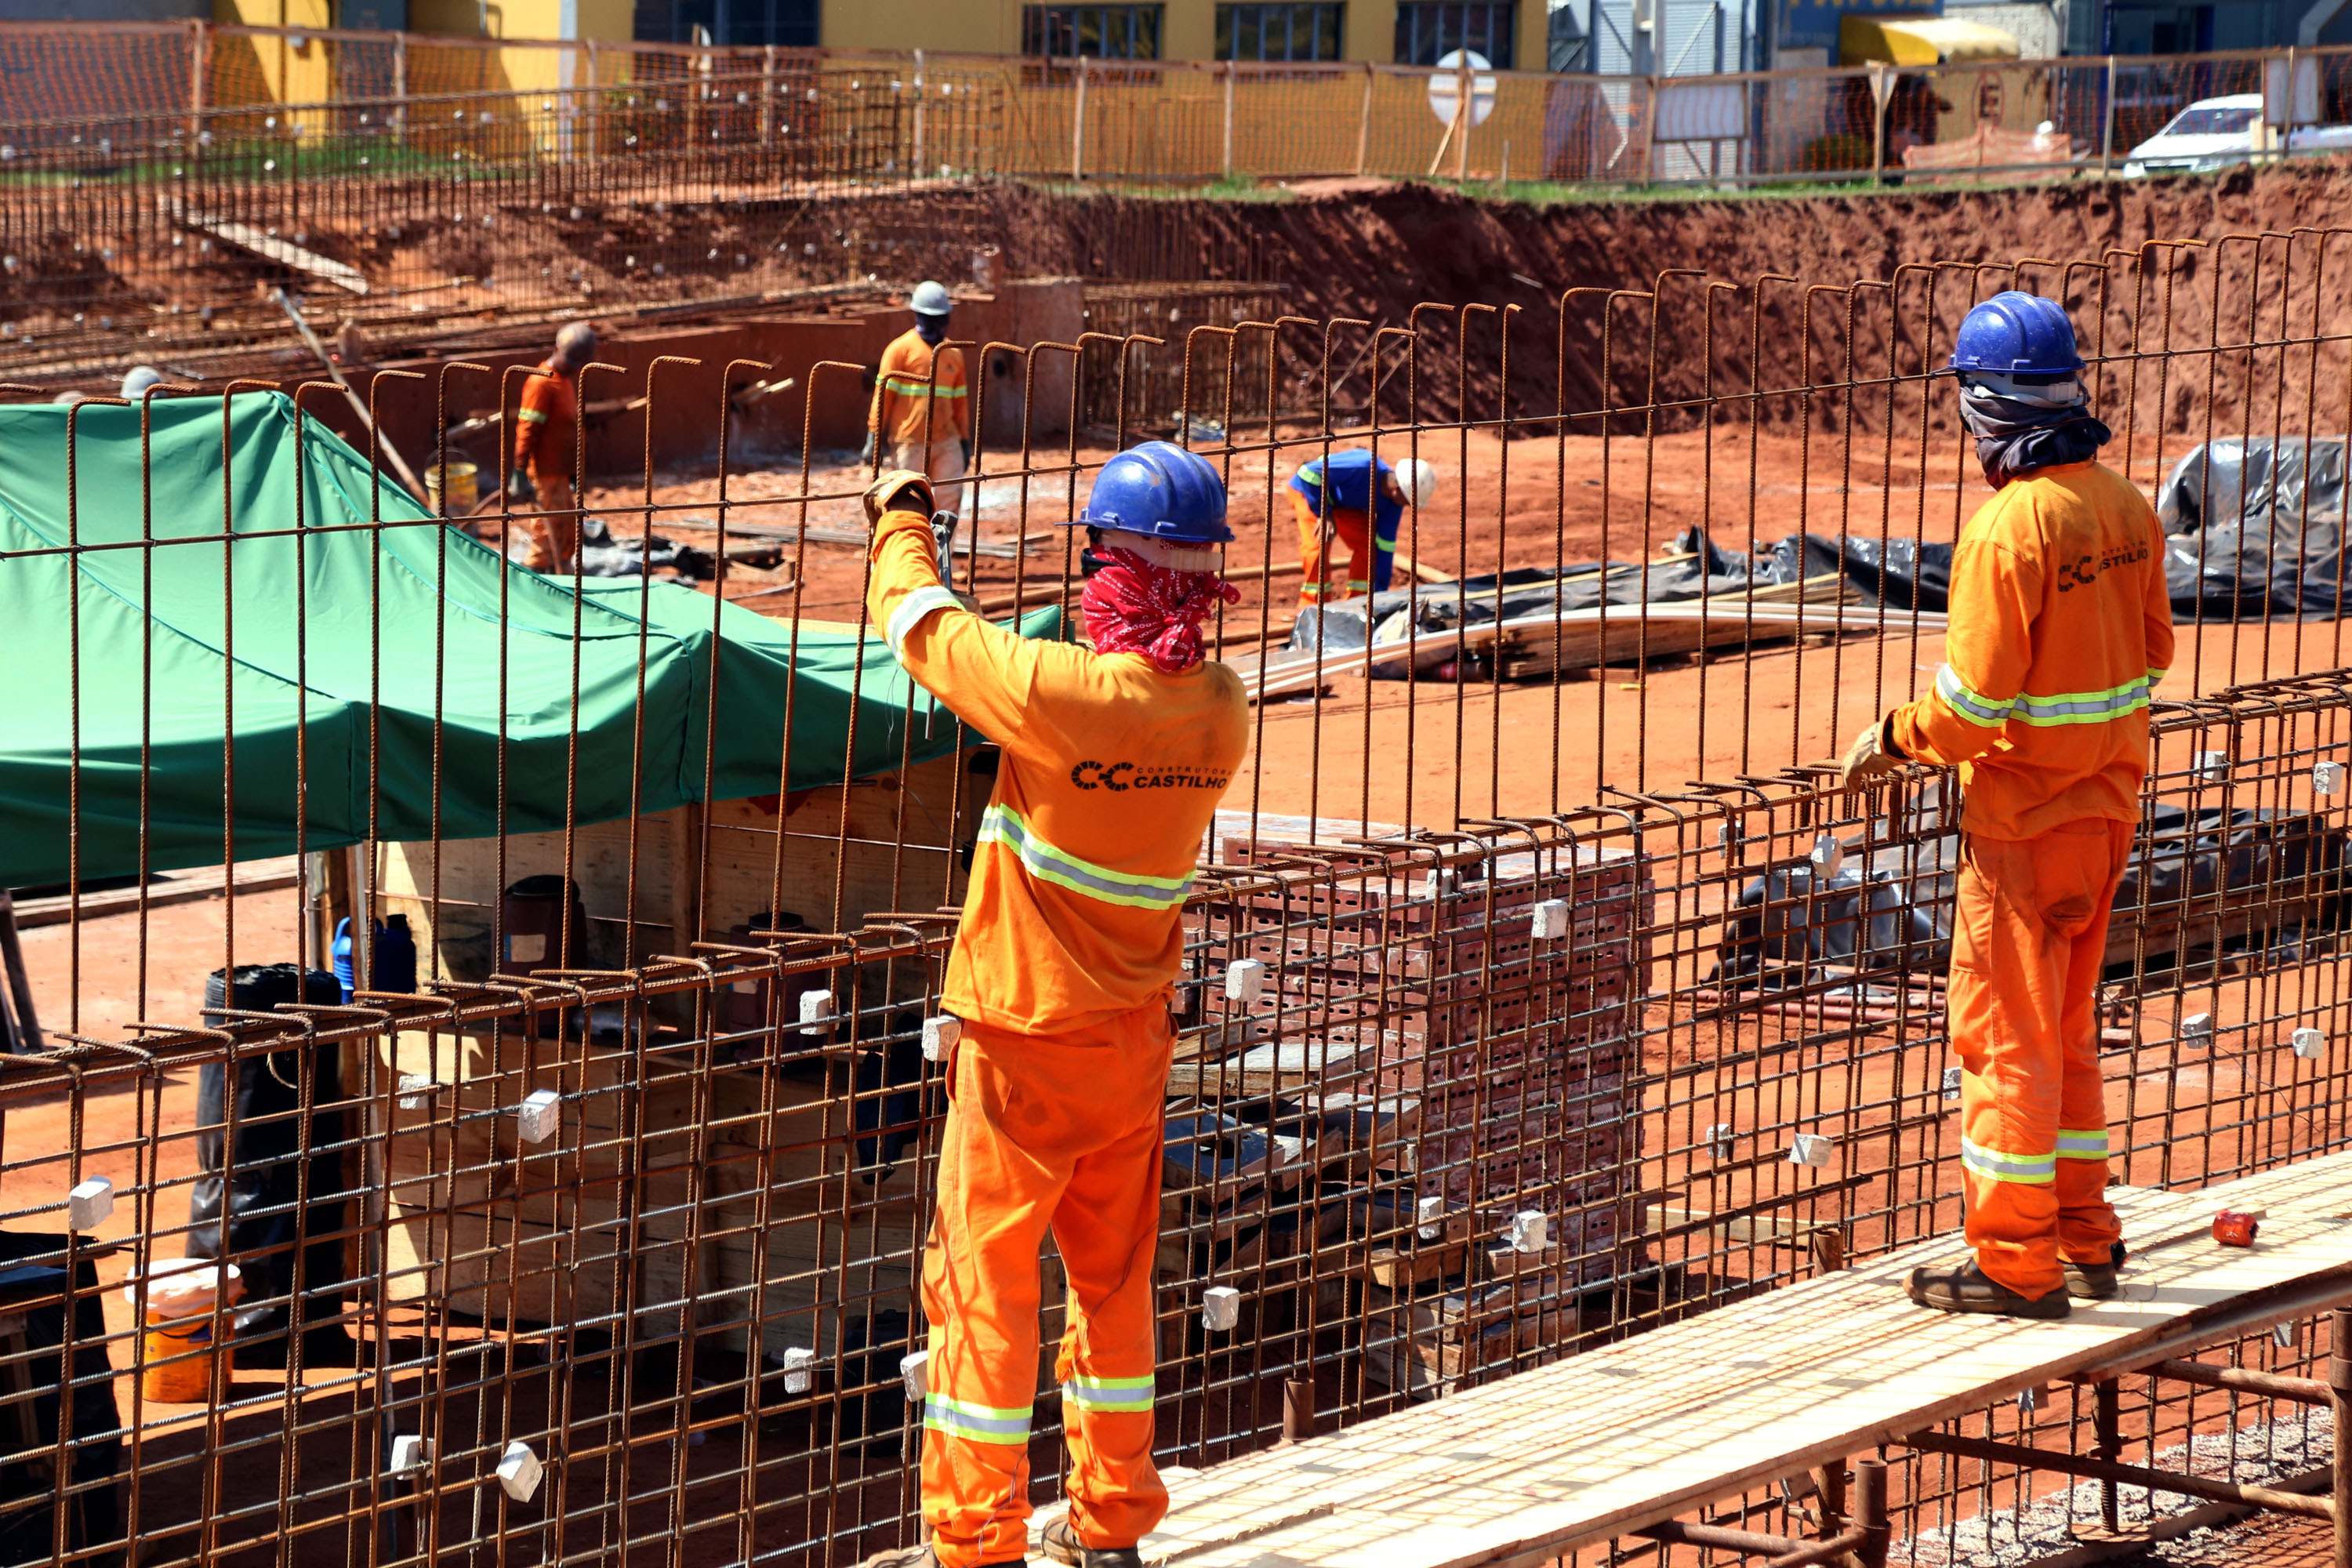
[
  {"x": 602, "y": 554},
  {"x": 2256, "y": 527},
  {"x": 1891, "y": 909},
  {"x": 1902, "y": 575},
  {"x": 2256, "y": 530}
]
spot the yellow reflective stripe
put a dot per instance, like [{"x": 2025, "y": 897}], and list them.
[
  {"x": 535, "y": 416},
  {"x": 1968, "y": 703},
  {"x": 2082, "y": 1143},
  {"x": 1008, "y": 1425},
  {"x": 914, "y": 388},
  {"x": 1047, "y": 863},
  {"x": 2082, "y": 707},
  {"x": 2030, "y": 1170},
  {"x": 911, "y": 611},
  {"x": 1132, "y": 1394}
]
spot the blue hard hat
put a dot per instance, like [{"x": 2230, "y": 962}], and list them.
[
  {"x": 1162, "y": 491},
  {"x": 2016, "y": 334}
]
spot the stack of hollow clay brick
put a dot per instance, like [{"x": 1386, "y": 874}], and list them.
[{"x": 1479, "y": 1073}]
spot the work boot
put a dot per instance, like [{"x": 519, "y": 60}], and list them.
[
  {"x": 1965, "y": 1288},
  {"x": 1062, "y": 1544},
  {"x": 2094, "y": 1281},
  {"x": 922, "y": 1557}
]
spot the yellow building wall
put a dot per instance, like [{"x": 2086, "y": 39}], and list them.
[
  {"x": 994, "y": 28},
  {"x": 287, "y": 74},
  {"x": 964, "y": 27}
]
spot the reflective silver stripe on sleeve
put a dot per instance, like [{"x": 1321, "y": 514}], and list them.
[
  {"x": 1966, "y": 703},
  {"x": 2082, "y": 707},
  {"x": 911, "y": 611}
]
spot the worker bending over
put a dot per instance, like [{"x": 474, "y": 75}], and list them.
[
  {"x": 1113, "y": 763},
  {"x": 921, "y": 419},
  {"x": 2060, "y": 628},
  {"x": 546, "y": 445},
  {"x": 1360, "y": 498}
]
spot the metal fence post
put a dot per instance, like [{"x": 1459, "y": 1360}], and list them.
[
  {"x": 1228, "y": 166},
  {"x": 1650, "y": 131},
  {"x": 768, "y": 93},
  {"x": 200, "y": 48},
  {"x": 1078, "y": 126},
  {"x": 1882, "y": 88},
  {"x": 1364, "y": 120},
  {"x": 916, "y": 172},
  {"x": 1469, "y": 117},
  {"x": 2107, "y": 123}
]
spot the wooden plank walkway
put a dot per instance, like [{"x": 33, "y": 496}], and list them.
[{"x": 1635, "y": 1433}]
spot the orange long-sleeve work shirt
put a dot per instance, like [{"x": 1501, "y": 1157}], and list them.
[
  {"x": 2060, "y": 629},
  {"x": 546, "y": 423},
  {"x": 907, "y": 405},
  {"x": 1110, "y": 775}
]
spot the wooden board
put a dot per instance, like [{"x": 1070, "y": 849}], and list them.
[
  {"x": 269, "y": 248},
  {"x": 1569, "y": 1454}
]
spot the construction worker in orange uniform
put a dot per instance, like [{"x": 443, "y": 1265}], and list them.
[
  {"x": 547, "y": 434},
  {"x": 920, "y": 421},
  {"x": 1113, "y": 763},
  {"x": 2060, "y": 628},
  {"x": 1356, "y": 495}
]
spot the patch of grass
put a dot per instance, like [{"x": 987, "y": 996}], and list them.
[{"x": 1240, "y": 188}]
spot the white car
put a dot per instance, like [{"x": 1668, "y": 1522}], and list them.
[{"x": 2214, "y": 133}]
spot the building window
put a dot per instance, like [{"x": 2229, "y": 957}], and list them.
[
  {"x": 1278, "y": 32},
  {"x": 1428, "y": 30},
  {"x": 1098, "y": 31}
]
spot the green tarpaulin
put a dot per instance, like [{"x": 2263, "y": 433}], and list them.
[{"x": 344, "y": 657}]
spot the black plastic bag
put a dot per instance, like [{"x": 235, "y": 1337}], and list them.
[{"x": 272, "y": 1218}]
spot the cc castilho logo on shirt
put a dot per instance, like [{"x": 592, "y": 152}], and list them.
[{"x": 1120, "y": 778}]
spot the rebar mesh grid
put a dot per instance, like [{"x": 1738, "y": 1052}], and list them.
[{"x": 1497, "y": 1041}]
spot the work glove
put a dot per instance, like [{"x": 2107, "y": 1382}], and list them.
[
  {"x": 865, "y": 453},
  {"x": 519, "y": 489},
  {"x": 1871, "y": 754},
  {"x": 898, "y": 489}
]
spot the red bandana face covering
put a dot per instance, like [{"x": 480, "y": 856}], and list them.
[{"x": 1133, "y": 606}]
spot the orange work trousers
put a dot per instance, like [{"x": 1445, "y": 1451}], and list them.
[
  {"x": 1353, "y": 529},
  {"x": 2029, "y": 937},
  {"x": 1062, "y": 1132},
  {"x": 555, "y": 538}
]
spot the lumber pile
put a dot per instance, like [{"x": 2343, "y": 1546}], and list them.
[
  {"x": 1636, "y": 633},
  {"x": 1437, "y": 1103}
]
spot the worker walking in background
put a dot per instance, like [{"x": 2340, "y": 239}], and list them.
[
  {"x": 1361, "y": 499},
  {"x": 921, "y": 419},
  {"x": 1113, "y": 763},
  {"x": 2060, "y": 628},
  {"x": 546, "y": 445}
]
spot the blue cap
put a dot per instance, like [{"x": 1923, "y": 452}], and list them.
[
  {"x": 1161, "y": 490},
  {"x": 2016, "y": 334}
]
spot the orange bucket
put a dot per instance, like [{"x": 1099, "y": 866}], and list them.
[{"x": 182, "y": 1362}]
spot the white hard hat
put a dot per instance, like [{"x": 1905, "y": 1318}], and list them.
[
  {"x": 930, "y": 298},
  {"x": 140, "y": 378},
  {"x": 1418, "y": 479}
]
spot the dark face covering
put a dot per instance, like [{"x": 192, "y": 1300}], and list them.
[
  {"x": 2015, "y": 436},
  {"x": 932, "y": 329}
]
